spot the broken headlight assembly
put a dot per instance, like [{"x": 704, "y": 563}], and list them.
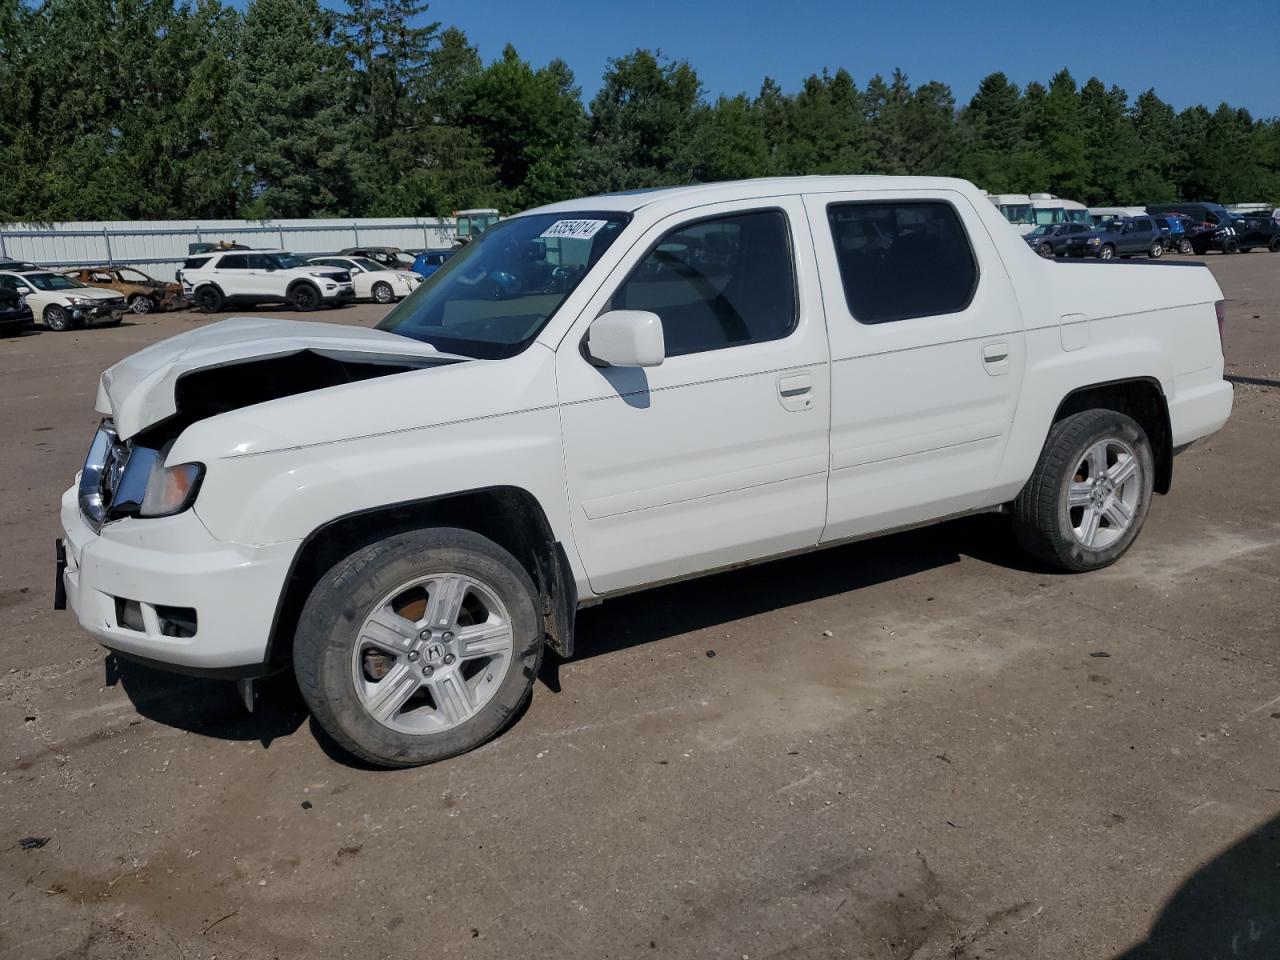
[{"x": 124, "y": 479}]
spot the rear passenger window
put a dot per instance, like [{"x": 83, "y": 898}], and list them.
[
  {"x": 235, "y": 261},
  {"x": 717, "y": 283},
  {"x": 902, "y": 260}
]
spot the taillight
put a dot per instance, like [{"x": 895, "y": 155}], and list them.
[{"x": 1220, "y": 308}]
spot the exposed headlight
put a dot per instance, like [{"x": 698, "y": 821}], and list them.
[
  {"x": 80, "y": 301},
  {"x": 170, "y": 490}
]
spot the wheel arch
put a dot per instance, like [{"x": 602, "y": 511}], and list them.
[
  {"x": 510, "y": 516},
  {"x": 294, "y": 284},
  {"x": 1141, "y": 398}
]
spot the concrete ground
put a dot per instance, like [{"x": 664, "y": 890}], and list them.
[{"x": 981, "y": 759}]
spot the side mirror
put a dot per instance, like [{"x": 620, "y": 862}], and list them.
[
  {"x": 23, "y": 289},
  {"x": 627, "y": 338}
]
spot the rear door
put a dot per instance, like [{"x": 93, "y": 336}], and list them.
[
  {"x": 927, "y": 354},
  {"x": 719, "y": 454}
]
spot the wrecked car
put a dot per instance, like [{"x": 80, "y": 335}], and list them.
[
  {"x": 601, "y": 395},
  {"x": 144, "y": 294}
]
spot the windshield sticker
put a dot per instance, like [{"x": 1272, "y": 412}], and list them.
[{"x": 574, "y": 229}]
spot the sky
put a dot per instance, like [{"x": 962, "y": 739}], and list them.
[{"x": 1191, "y": 51}]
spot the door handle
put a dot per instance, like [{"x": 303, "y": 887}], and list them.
[
  {"x": 995, "y": 357},
  {"x": 795, "y": 391}
]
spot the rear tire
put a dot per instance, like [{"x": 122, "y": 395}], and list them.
[
  {"x": 208, "y": 299},
  {"x": 1274, "y": 246},
  {"x": 1089, "y": 493},
  {"x": 140, "y": 303},
  {"x": 412, "y": 610}
]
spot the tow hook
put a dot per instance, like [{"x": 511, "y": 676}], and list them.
[{"x": 248, "y": 687}]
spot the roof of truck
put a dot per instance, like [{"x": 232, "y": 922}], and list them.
[{"x": 695, "y": 194}]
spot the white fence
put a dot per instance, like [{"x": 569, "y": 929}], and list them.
[{"x": 158, "y": 247}]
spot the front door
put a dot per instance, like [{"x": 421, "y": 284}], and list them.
[
  {"x": 719, "y": 454},
  {"x": 927, "y": 356}
]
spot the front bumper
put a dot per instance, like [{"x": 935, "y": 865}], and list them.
[
  {"x": 344, "y": 292},
  {"x": 166, "y": 564},
  {"x": 98, "y": 314}
]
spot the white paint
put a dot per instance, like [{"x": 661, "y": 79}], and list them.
[{"x": 647, "y": 474}]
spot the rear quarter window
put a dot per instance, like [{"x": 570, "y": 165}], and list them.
[{"x": 902, "y": 260}]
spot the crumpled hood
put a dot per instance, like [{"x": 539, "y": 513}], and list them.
[{"x": 139, "y": 391}]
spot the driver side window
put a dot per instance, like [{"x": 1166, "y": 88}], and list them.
[{"x": 717, "y": 283}]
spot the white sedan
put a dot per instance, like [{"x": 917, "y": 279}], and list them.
[{"x": 373, "y": 281}]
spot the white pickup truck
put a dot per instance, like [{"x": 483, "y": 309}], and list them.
[{"x": 605, "y": 394}]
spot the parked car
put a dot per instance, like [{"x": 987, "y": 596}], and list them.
[
  {"x": 1239, "y": 235},
  {"x": 215, "y": 246},
  {"x": 393, "y": 258},
  {"x": 262, "y": 276},
  {"x": 144, "y": 294},
  {"x": 1050, "y": 240},
  {"x": 1200, "y": 211},
  {"x": 428, "y": 262},
  {"x": 60, "y": 302},
  {"x": 407, "y": 514},
  {"x": 1100, "y": 215},
  {"x": 1122, "y": 237},
  {"x": 15, "y": 315},
  {"x": 371, "y": 280}
]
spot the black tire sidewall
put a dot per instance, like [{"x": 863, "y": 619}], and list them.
[
  {"x": 208, "y": 299},
  {"x": 346, "y": 594},
  {"x": 298, "y": 297}
]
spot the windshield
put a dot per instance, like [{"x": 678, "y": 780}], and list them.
[
  {"x": 286, "y": 261},
  {"x": 1017, "y": 212},
  {"x": 493, "y": 297},
  {"x": 51, "y": 281},
  {"x": 1077, "y": 216},
  {"x": 1049, "y": 214}
]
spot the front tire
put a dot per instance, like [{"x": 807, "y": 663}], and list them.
[
  {"x": 1107, "y": 252},
  {"x": 57, "y": 318},
  {"x": 1156, "y": 250},
  {"x": 304, "y": 297},
  {"x": 382, "y": 292},
  {"x": 419, "y": 647},
  {"x": 1231, "y": 245},
  {"x": 1045, "y": 250},
  {"x": 1089, "y": 493},
  {"x": 1274, "y": 246}
]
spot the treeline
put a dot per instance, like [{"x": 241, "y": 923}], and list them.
[{"x": 153, "y": 109}]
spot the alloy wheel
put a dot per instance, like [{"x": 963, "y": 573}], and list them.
[
  {"x": 432, "y": 653},
  {"x": 1102, "y": 498}
]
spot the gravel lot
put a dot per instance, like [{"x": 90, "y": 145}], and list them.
[{"x": 982, "y": 759}]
